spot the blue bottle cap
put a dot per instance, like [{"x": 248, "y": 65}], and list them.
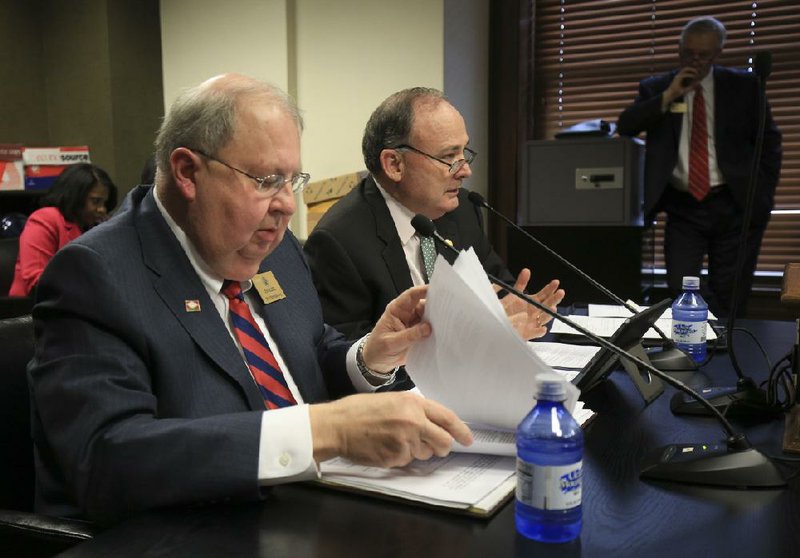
[{"x": 550, "y": 387}]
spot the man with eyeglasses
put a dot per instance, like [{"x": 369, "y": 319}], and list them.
[
  {"x": 364, "y": 251},
  {"x": 701, "y": 121},
  {"x": 165, "y": 334}
]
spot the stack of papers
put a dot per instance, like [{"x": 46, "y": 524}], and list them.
[
  {"x": 604, "y": 319},
  {"x": 476, "y": 364}
]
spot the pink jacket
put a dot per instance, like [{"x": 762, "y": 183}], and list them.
[{"x": 45, "y": 232}]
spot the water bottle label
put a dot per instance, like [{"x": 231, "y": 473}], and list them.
[
  {"x": 688, "y": 332},
  {"x": 549, "y": 487}
]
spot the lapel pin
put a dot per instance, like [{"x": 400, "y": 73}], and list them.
[
  {"x": 448, "y": 242},
  {"x": 191, "y": 305}
]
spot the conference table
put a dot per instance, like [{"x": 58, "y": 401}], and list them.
[{"x": 622, "y": 515}]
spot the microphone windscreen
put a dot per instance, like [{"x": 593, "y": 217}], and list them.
[
  {"x": 476, "y": 198},
  {"x": 763, "y": 64},
  {"x": 423, "y": 225}
]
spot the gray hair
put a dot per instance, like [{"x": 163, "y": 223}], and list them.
[
  {"x": 204, "y": 117},
  {"x": 705, "y": 24},
  {"x": 390, "y": 123}
]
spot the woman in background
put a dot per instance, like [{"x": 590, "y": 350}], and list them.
[{"x": 80, "y": 198}]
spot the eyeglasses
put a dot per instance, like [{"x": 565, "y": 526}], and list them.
[
  {"x": 701, "y": 55},
  {"x": 266, "y": 185},
  {"x": 454, "y": 166}
]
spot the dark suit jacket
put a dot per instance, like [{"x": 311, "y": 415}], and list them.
[
  {"x": 358, "y": 262},
  {"x": 138, "y": 402},
  {"x": 735, "y": 127}
]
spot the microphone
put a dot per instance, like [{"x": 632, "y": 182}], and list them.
[
  {"x": 734, "y": 464},
  {"x": 669, "y": 358}
]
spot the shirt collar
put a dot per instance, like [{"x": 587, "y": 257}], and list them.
[{"x": 401, "y": 215}]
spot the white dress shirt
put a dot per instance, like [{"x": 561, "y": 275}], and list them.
[
  {"x": 409, "y": 238},
  {"x": 680, "y": 175},
  {"x": 286, "y": 447}
]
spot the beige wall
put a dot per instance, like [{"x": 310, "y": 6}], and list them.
[
  {"x": 339, "y": 59},
  {"x": 203, "y": 38}
]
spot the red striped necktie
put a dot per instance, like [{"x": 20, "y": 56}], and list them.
[
  {"x": 260, "y": 360},
  {"x": 699, "y": 183}
]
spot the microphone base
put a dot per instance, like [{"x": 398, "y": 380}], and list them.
[
  {"x": 672, "y": 359},
  {"x": 732, "y": 401},
  {"x": 712, "y": 465}
]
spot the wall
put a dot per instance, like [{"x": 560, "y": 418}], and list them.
[
  {"x": 466, "y": 77},
  {"x": 23, "y": 111},
  {"x": 203, "y": 38},
  {"x": 85, "y": 72},
  {"x": 338, "y": 59}
]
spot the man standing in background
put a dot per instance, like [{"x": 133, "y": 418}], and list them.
[{"x": 701, "y": 122}]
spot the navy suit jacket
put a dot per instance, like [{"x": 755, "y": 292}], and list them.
[
  {"x": 358, "y": 263},
  {"x": 139, "y": 402},
  {"x": 736, "y": 105}
]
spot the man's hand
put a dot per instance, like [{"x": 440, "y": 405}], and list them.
[
  {"x": 385, "y": 429},
  {"x": 683, "y": 81},
  {"x": 398, "y": 328},
  {"x": 529, "y": 321}
]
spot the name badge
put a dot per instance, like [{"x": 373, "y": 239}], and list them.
[
  {"x": 268, "y": 288},
  {"x": 678, "y": 107}
]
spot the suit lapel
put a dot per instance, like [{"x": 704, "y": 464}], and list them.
[
  {"x": 385, "y": 230},
  {"x": 177, "y": 284}
]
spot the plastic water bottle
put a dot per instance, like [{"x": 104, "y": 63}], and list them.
[
  {"x": 689, "y": 320},
  {"x": 549, "y": 467}
]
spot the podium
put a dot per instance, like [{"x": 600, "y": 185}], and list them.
[{"x": 583, "y": 198}]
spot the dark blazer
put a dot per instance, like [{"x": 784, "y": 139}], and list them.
[
  {"x": 358, "y": 262},
  {"x": 736, "y": 103},
  {"x": 138, "y": 402}
]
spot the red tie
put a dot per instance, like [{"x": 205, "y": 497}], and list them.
[
  {"x": 263, "y": 366},
  {"x": 699, "y": 184}
]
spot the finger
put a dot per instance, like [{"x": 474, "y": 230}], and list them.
[
  {"x": 385, "y": 350},
  {"x": 424, "y": 452},
  {"x": 404, "y": 307},
  {"x": 522, "y": 279},
  {"x": 449, "y": 426}
]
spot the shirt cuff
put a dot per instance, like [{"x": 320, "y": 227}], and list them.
[
  {"x": 286, "y": 451},
  {"x": 361, "y": 384}
]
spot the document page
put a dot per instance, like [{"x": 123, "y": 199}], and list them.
[
  {"x": 619, "y": 311},
  {"x": 563, "y": 355},
  {"x": 605, "y": 327},
  {"x": 458, "y": 480},
  {"x": 474, "y": 362}
]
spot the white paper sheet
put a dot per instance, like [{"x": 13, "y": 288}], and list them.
[
  {"x": 474, "y": 362},
  {"x": 617, "y": 311},
  {"x": 605, "y": 327},
  {"x": 458, "y": 480},
  {"x": 563, "y": 355}
]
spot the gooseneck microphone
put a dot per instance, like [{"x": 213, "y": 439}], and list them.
[
  {"x": 735, "y": 464},
  {"x": 669, "y": 358}
]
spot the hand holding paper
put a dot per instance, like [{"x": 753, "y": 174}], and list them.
[{"x": 474, "y": 362}]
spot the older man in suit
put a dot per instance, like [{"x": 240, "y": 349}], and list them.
[
  {"x": 364, "y": 251},
  {"x": 701, "y": 122},
  {"x": 164, "y": 335}
]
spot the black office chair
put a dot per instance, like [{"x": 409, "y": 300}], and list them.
[
  {"x": 11, "y": 307},
  {"x": 24, "y": 533}
]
